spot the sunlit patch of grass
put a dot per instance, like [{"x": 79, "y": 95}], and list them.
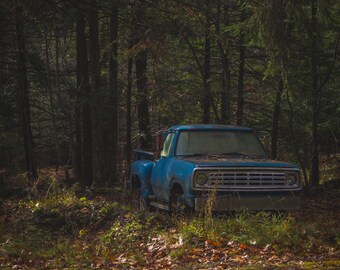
[
  {"x": 333, "y": 263},
  {"x": 62, "y": 210},
  {"x": 252, "y": 229},
  {"x": 48, "y": 227}
]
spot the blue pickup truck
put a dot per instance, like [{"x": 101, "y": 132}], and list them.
[{"x": 227, "y": 162}]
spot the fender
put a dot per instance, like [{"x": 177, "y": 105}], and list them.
[
  {"x": 143, "y": 169},
  {"x": 181, "y": 174}
]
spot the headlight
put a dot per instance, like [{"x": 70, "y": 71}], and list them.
[
  {"x": 291, "y": 179},
  {"x": 201, "y": 179}
]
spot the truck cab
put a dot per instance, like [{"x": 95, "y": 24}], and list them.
[{"x": 228, "y": 163}]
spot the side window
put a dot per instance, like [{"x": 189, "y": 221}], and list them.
[{"x": 167, "y": 145}]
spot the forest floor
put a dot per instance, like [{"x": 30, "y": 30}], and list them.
[{"x": 61, "y": 229}]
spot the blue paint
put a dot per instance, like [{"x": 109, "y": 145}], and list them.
[{"x": 159, "y": 177}]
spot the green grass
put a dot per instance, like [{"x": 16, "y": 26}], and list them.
[
  {"x": 64, "y": 230},
  {"x": 254, "y": 229}
]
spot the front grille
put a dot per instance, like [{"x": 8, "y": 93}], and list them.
[{"x": 241, "y": 179}]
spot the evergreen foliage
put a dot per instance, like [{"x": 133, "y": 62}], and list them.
[{"x": 272, "y": 65}]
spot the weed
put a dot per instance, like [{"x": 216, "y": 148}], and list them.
[
  {"x": 61, "y": 229},
  {"x": 208, "y": 209},
  {"x": 192, "y": 230},
  {"x": 125, "y": 232},
  {"x": 253, "y": 229},
  {"x": 138, "y": 257},
  {"x": 178, "y": 252}
]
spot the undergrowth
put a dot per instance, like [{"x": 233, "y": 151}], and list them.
[
  {"x": 72, "y": 229},
  {"x": 254, "y": 229}
]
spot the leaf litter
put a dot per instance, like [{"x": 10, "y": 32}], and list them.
[{"x": 101, "y": 233}]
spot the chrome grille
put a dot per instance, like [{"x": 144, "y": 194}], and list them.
[{"x": 244, "y": 179}]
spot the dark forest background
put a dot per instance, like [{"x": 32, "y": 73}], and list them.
[{"x": 83, "y": 82}]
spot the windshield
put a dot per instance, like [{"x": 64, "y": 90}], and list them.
[{"x": 219, "y": 143}]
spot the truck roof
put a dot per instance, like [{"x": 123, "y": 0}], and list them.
[{"x": 208, "y": 127}]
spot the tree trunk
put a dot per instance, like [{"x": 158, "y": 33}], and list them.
[
  {"x": 23, "y": 96},
  {"x": 51, "y": 98},
  {"x": 57, "y": 68},
  {"x": 97, "y": 164},
  {"x": 128, "y": 148},
  {"x": 225, "y": 85},
  {"x": 315, "y": 144},
  {"x": 240, "y": 95},
  {"x": 225, "y": 91},
  {"x": 114, "y": 85},
  {"x": 143, "y": 104},
  {"x": 206, "y": 94},
  {"x": 276, "y": 118},
  {"x": 85, "y": 92},
  {"x": 292, "y": 138},
  {"x": 142, "y": 83}
]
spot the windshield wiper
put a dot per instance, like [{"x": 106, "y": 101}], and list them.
[
  {"x": 195, "y": 154},
  {"x": 202, "y": 155},
  {"x": 240, "y": 154}
]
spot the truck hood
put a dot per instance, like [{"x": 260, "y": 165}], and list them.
[{"x": 236, "y": 162}]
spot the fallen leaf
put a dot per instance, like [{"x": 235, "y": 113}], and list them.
[
  {"x": 212, "y": 243},
  {"x": 243, "y": 246}
]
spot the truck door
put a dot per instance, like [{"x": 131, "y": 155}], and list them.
[{"x": 160, "y": 173}]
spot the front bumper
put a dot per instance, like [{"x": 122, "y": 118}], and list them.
[{"x": 241, "y": 201}]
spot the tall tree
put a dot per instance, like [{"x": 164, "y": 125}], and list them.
[
  {"x": 51, "y": 98},
  {"x": 314, "y": 181},
  {"x": 128, "y": 149},
  {"x": 240, "y": 83},
  {"x": 95, "y": 91},
  {"x": 83, "y": 87},
  {"x": 206, "y": 93},
  {"x": 276, "y": 118},
  {"x": 23, "y": 94},
  {"x": 141, "y": 77},
  {"x": 223, "y": 51},
  {"x": 114, "y": 84}
]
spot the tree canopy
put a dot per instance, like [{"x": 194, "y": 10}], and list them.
[{"x": 84, "y": 82}]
